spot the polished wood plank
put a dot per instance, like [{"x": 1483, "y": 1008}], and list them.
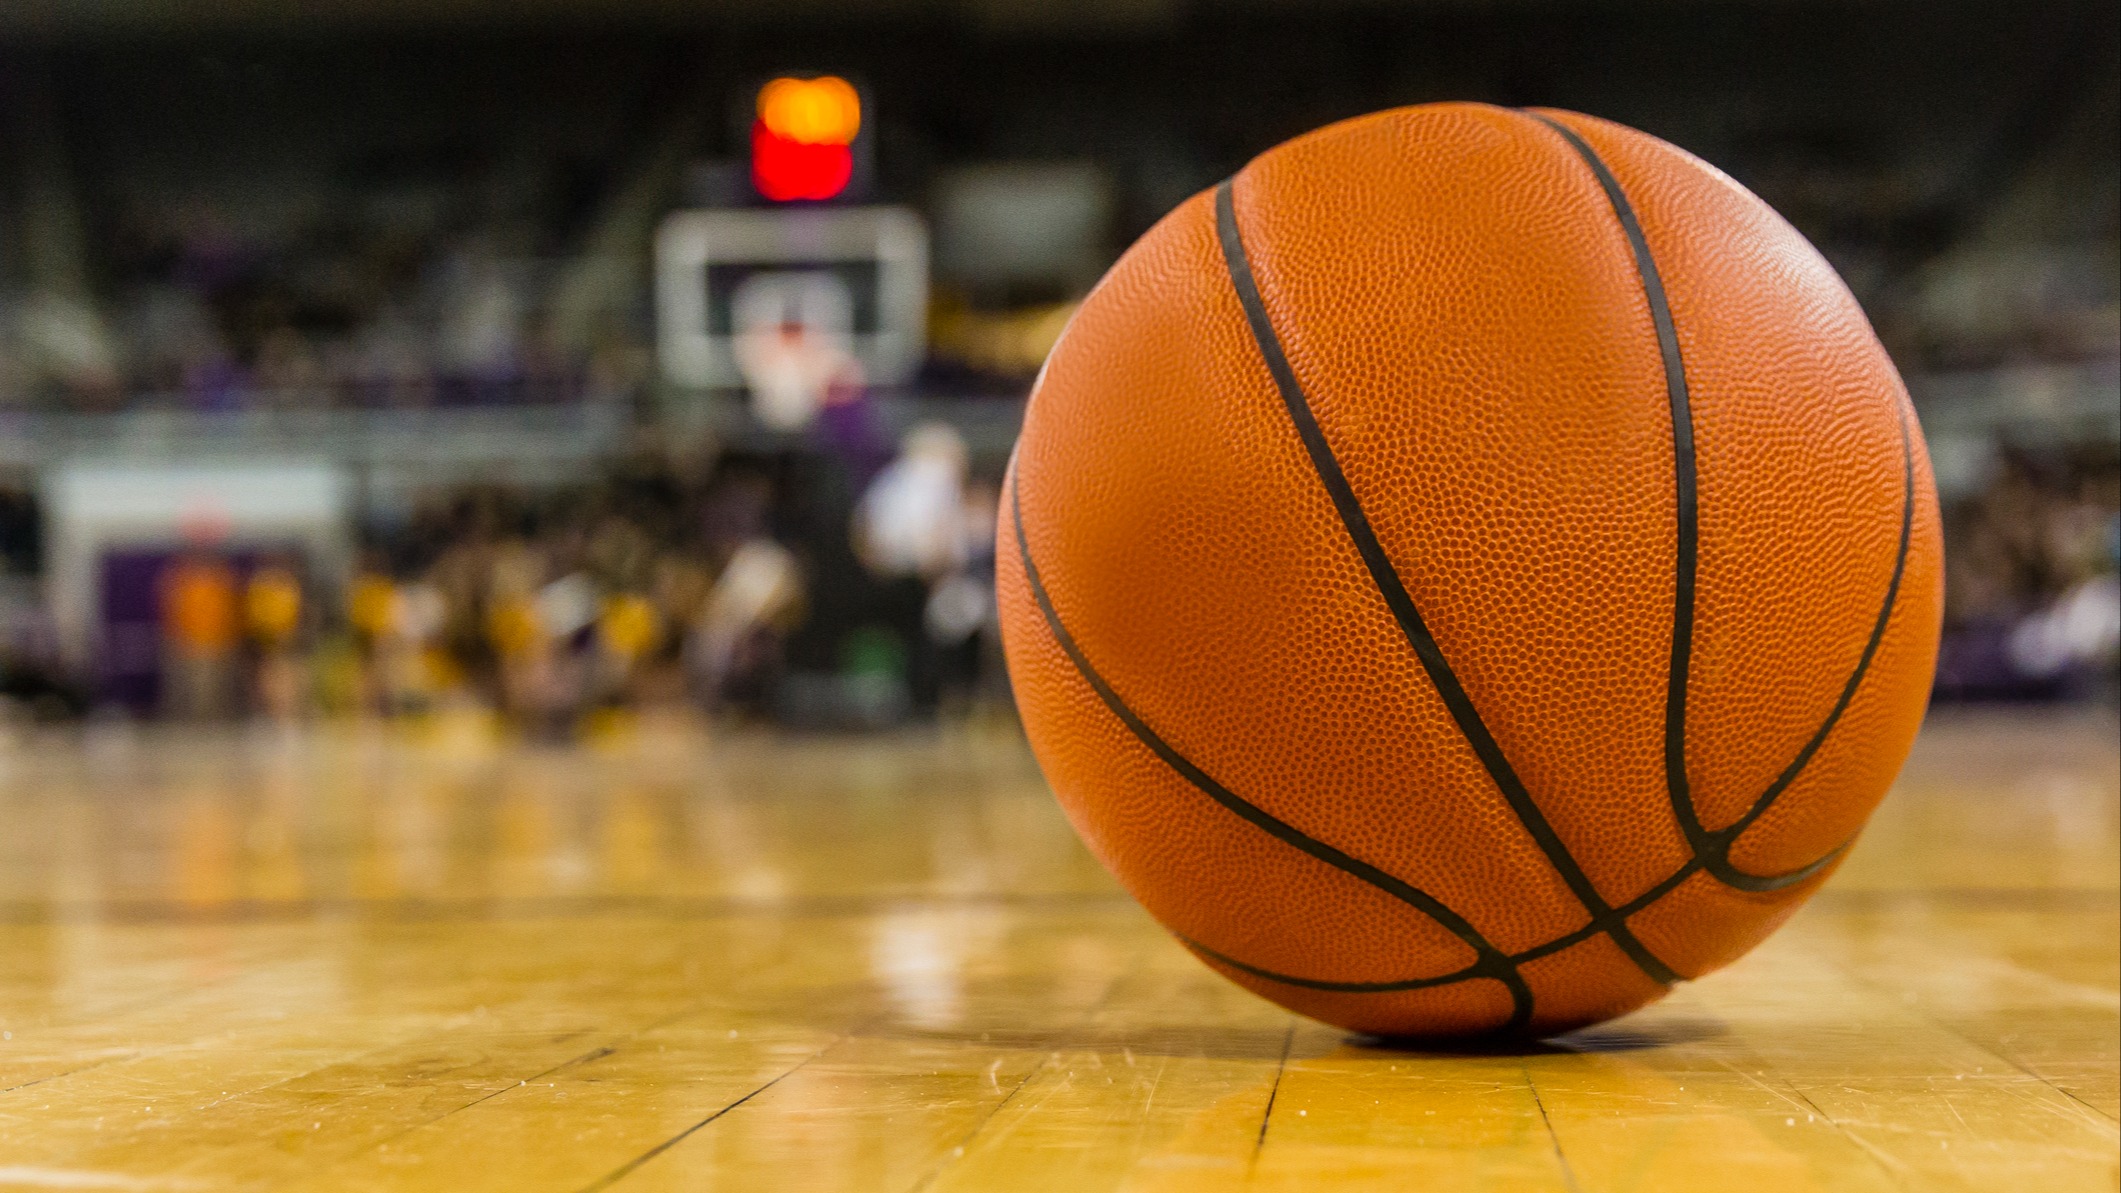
[{"x": 373, "y": 957}]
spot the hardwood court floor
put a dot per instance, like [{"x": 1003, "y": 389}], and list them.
[{"x": 382, "y": 959}]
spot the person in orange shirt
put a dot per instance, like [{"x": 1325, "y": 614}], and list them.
[{"x": 199, "y": 633}]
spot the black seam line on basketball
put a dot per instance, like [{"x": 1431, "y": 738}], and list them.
[
  {"x": 1457, "y": 925},
  {"x": 1686, "y": 555},
  {"x": 1476, "y": 970},
  {"x": 1396, "y": 598},
  {"x": 1712, "y": 848},
  {"x": 1718, "y": 858},
  {"x": 1506, "y": 973},
  {"x": 1567, "y": 940}
]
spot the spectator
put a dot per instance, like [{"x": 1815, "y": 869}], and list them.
[
  {"x": 733, "y": 647},
  {"x": 199, "y": 632},
  {"x": 272, "y": 615}
]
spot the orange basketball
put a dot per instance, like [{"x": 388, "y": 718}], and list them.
[{"x": 1469, "y": 571}]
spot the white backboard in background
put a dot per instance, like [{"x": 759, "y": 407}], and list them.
[{"x": 708, "y": 264}]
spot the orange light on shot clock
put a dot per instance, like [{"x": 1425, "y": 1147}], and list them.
[{"x": 820, "y": 111}]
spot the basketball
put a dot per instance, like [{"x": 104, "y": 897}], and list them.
[
  {"x": 1036, "y": 597},
  {"x": 1470, "y": 571}
]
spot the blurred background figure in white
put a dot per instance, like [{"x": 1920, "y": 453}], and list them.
[
  {"x": 911, "y": 520},
  {"x": 910, "y": 531}
]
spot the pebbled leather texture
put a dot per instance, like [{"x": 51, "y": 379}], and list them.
[{"x": 1244, "y": 729}]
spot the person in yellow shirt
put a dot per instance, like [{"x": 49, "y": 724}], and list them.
[
  {"x": 522, "y": 651},
  {"x": 628, "y": 631},
  {"x": 629, "y": 627},
  {"x": 272, "y": 607},
  {"x": 371, "y": 611},
  {"x": 272, "y": 614}
]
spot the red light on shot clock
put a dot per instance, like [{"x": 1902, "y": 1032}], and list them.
[{"x": 801, "y": 143}]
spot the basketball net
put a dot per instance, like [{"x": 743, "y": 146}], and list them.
[
  {"x": 788, "y": 367},
  {"x": 792, "y": 344}
]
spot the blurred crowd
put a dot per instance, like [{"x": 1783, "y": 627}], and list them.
[
  {"x": 808, "y": 586},
  {"x": 826, "y": 587},
  {"x": 209, "y": 312},
  {"x": 814, "y": 585},
  {"x": 2032, "y": 602}
]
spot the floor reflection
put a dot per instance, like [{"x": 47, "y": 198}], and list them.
[
  {"x": 369, "y": 958},
  {"x": 364, "y": 813}
]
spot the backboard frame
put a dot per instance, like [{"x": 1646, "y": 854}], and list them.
[{"x": 691, "y": 353}]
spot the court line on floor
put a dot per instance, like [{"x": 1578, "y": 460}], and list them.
[
  {"x": 2020, "y": 1065},
  {"x": 108, "y": 1060},
  {"x": 352, "y": 1058},
  {"x": 1266, "y": 1116},
  {"x": 444, "y": 1032},
  {"x": 963, "y": 1144},
  {"x": 593, "y": 1054},
  {"x": 1568, "y": 1170},
  {"x": 631, "y": 1166},
  {"x": 104, "y": 1018},
  {"x": 1921, "y": 1010},
  {"x": 1895, "y": 1170},
  {"x": 1081, "y": 1019},
  {"x": 612, "y": 1044}
]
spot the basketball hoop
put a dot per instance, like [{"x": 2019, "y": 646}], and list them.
[
  {"x": 859, "y": 274},
  {"x": 792, "y": 343}
]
